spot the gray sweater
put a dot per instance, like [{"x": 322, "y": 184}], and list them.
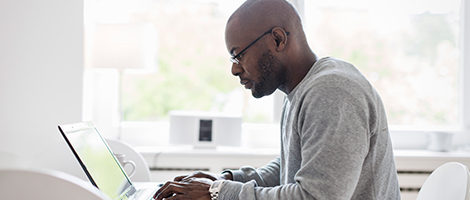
[{"x": 335, "y": 143}]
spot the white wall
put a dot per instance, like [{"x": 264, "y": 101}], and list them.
[{"x": 41, "y": 62}]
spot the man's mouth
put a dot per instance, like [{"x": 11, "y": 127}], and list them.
[{"x": 248, "y": 84}]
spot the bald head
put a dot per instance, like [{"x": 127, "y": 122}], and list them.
[
  {"x": 265, "y": 14},
  {"x": 283, "y": 55},
  {"x": 254, "y": 17}
]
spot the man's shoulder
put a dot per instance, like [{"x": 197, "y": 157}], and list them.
[
  {"x": 330, "y": 75},
  {"x": 332, "y": 72}
]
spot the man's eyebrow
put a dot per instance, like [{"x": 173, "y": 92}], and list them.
[{"x": 232, "y": 50}]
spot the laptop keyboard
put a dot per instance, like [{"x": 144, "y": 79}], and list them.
[{"x": 146, "y": 193}]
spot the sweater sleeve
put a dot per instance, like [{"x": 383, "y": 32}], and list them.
[
  {"x": 247, "y": 178},
  {"x": 266, "y": 176}
]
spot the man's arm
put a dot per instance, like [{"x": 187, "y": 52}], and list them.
[
  {"x": 266, "y": 176},
  {"x": 197, "y": 184}
]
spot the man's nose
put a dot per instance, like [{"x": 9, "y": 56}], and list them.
[{"x": 237, "y": 69}]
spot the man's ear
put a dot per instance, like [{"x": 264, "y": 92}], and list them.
[{"x": 280, "y": 37}]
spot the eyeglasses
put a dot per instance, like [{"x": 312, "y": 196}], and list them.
[{"x": 234, "y": 59}]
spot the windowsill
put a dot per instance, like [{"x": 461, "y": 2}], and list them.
[
  {"x": 188, "y": 150},
  {"x": 266, "y": 136},
  {"x": 402, "y": 153},
  {"x": 168, "y": 156}
]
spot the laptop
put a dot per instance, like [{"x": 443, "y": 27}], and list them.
[{"x": 100, "y": 165}]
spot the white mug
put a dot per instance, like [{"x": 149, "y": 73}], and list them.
[{"x": 121, "y": 158}]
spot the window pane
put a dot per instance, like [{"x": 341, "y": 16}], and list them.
[
  {"x": 193, "y": 64},
  {"x": 407, "y": 49}
]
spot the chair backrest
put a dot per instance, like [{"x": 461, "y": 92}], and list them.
[
  {"x": 45, "y": 184},
  {"x": 142, "y": 173},
  {"x": 448, "y": 181}
]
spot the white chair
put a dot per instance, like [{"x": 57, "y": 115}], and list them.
[
  {"x": 45, "y": 184},
  {"x": 142, "y": 173},
  {"x": 448, "y": 181}
]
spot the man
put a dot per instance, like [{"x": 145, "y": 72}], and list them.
[{"x": 335, "y": 142}]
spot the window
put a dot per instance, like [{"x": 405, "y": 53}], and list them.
[
  {"x": 409, "y": 50},
  {"x": 193, "y": 64}
]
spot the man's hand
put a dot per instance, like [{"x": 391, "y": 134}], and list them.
[
  {"x": 189, "y": 188},
  {"x": 213, "y": 177}
]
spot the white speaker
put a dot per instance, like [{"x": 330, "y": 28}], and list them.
[{"x": 204, "y": 129}]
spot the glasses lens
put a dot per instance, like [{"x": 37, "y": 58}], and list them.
[{"x": 234, "y": 60}]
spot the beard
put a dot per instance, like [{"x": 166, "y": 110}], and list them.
[{"x": 271, "y": 75}]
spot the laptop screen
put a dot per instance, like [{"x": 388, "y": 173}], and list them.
[{"x": 96, "y": 159}]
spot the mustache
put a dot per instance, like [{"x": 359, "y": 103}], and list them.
[{"x": 244, "y": 81}]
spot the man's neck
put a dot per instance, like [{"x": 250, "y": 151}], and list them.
[{"x": 298, "y": 72}]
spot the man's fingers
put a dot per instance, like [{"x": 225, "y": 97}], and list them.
[
  {"x": 176, "y": 197},
  {"x": 160, "y": 191},
  {"x": 181, "y": 177},
  {"x": 199, "y": 175},
  {"x": 169, "y": 189},
  {"x": 195, "y": 189}
]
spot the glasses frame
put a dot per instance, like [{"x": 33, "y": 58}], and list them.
[{"x": 234, "y": 59}]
